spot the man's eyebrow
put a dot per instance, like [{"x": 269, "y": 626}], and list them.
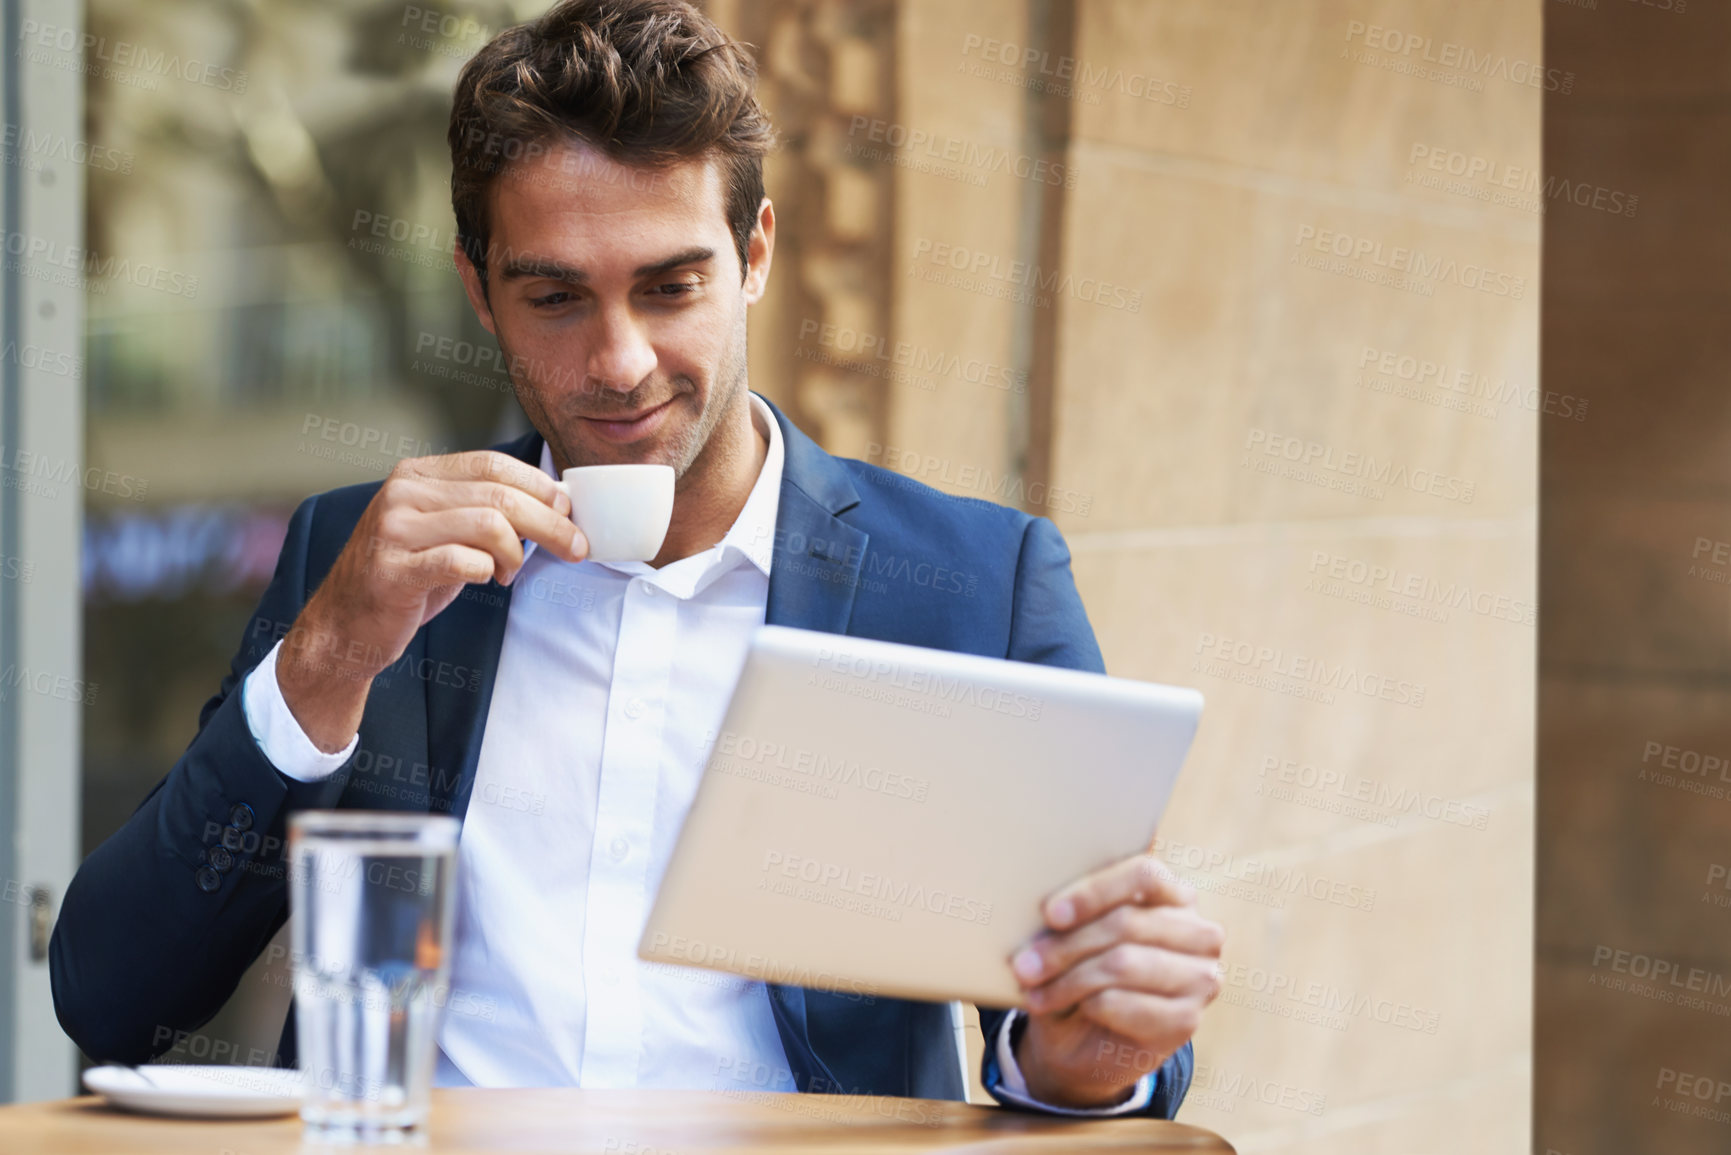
[
  {"x": 692, "y": 256},
  {"x": 516, "y": 268}
]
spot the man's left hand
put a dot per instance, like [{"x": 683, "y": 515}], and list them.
[{"x": 1115, "y": 984}]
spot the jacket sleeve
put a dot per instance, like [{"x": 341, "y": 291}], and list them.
[
  {"x": 1049, "y": 626},
  {"x": 161, "y": 921}
]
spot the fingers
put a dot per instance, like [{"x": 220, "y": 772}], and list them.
[
  {"x": 1127, "y": 954},
  {"x": 438, "y": 567},
  {"x": 1141, "y": 879},
  {"x": 1158, "y": 1024},
  {"x": 480, "y": 528},
  {"x": 527, "y": 516},
  {"x": 486, "y": 465},
  {"x": 1130, "y": 968},
  {"x": 452, "y": 564},
  {"x": 1176, "y": 928}
]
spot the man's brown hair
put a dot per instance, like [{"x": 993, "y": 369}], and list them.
[{"x": 647, "y": 82}]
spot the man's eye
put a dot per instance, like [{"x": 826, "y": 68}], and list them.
[
  {"x": 558, "y": 298},
  {"x": 675, "y": 289}
]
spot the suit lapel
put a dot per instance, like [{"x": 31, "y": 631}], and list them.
[
  {"x": 812, "y": 578},
  {"x": 462, "y": 662},
  {"x": 817, "y": 558},
  {"x": 463, "y": 646}
]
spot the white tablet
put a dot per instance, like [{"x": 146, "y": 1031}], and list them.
[{"x": 884, "y": 819}]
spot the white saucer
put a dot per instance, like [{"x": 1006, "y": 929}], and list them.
[{"x": 200, "y": 1092}]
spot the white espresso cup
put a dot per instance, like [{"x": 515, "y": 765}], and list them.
[{"x": 622, "y": 509}]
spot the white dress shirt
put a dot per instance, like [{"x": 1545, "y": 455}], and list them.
[{"x": 611, "y": 679}]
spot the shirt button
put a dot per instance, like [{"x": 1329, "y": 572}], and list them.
[
  {"x": 207, "y": 878},
  {"x": 634, "y": 709},
  {"x": 241, "y": 816},
  {"x": 620, "y": 848},
  {"x": 648, "y": 590}
]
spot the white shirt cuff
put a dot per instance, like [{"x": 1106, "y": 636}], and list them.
[
  {"x": 1012, "y": 1086},
  {"x": 284, "y": 744}
]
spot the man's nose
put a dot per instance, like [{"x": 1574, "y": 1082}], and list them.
[{"x": 620, "y": 355}]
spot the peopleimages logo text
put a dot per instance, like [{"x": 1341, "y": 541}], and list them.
[
  {"x": 1448, "y": 54},
  {"x": 1691, "y": 980},
  {"x": 1276, "y": 772},
  {"x": 1269, "y": 875},
  {"x": 96, "y": 268},
  {"x": 1378, "y": 578},
  {"x": 1409, "y": 375},
  {"x": 1358, "y": 467},
  {"x": 1215, "y": 654},
  {"x": 21, "y": 464},
  {"x": 1071, "y": 73},
  {"x": 941, "y": 146},
  {"x": 742, "y": 750},
  {"x": 959, "y": 691},
  {"x": 90, "y": 47},
  {"x": 1398, "y": 259},
  {"x": 1222, "y": 1089},
  {"x": 853, "y": 343},
  {"x": 50, "y": 685},
  {"x": 895, "y": 894},
  {"x": 1516, "y": 186},
  {"x": 978, "y": 270},
  {"x": 1329, "y": 998}
]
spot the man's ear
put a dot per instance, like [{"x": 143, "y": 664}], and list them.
[
  {"x": 759, "y": 251},
  {"x": 472, "y": 286}
]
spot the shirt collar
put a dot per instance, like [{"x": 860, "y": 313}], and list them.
[{"x": 752, "y": 535}]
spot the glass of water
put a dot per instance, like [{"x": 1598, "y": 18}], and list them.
[{"x": 371, "y": 897}]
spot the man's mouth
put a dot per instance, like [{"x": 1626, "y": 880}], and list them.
[{"x": 633, "y": 426}]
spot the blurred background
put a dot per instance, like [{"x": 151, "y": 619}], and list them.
[{"x": 1244, "y": 295}]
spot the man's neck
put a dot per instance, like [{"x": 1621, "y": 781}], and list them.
[{"x": 708, "y": 499}]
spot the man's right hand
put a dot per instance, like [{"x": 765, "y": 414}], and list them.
[{"x": 436, "y": 524}]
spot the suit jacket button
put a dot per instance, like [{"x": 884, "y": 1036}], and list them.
[
  {"x": 232, "y": 839},
  {"x": 219, "y": 858},
  {"x": 241, "y": 816},
  {"x": 207, "y": 878}
]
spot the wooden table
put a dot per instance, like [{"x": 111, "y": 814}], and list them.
[{"x": 621, "y": 1123}]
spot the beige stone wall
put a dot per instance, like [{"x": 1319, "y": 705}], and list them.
[{"x": 1358, "y": 807}]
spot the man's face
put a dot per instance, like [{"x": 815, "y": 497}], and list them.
[{"x": 616, "y": 296}]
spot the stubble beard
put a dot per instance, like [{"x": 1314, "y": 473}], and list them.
[
  {"x": 684, "y": 449},
  {"x": 731, "y": 383}
]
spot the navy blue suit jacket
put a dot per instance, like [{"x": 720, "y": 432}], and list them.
[{"x": 143, "y": 950}]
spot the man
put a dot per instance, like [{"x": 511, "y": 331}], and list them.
[{"x": 437, "y": 642}]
